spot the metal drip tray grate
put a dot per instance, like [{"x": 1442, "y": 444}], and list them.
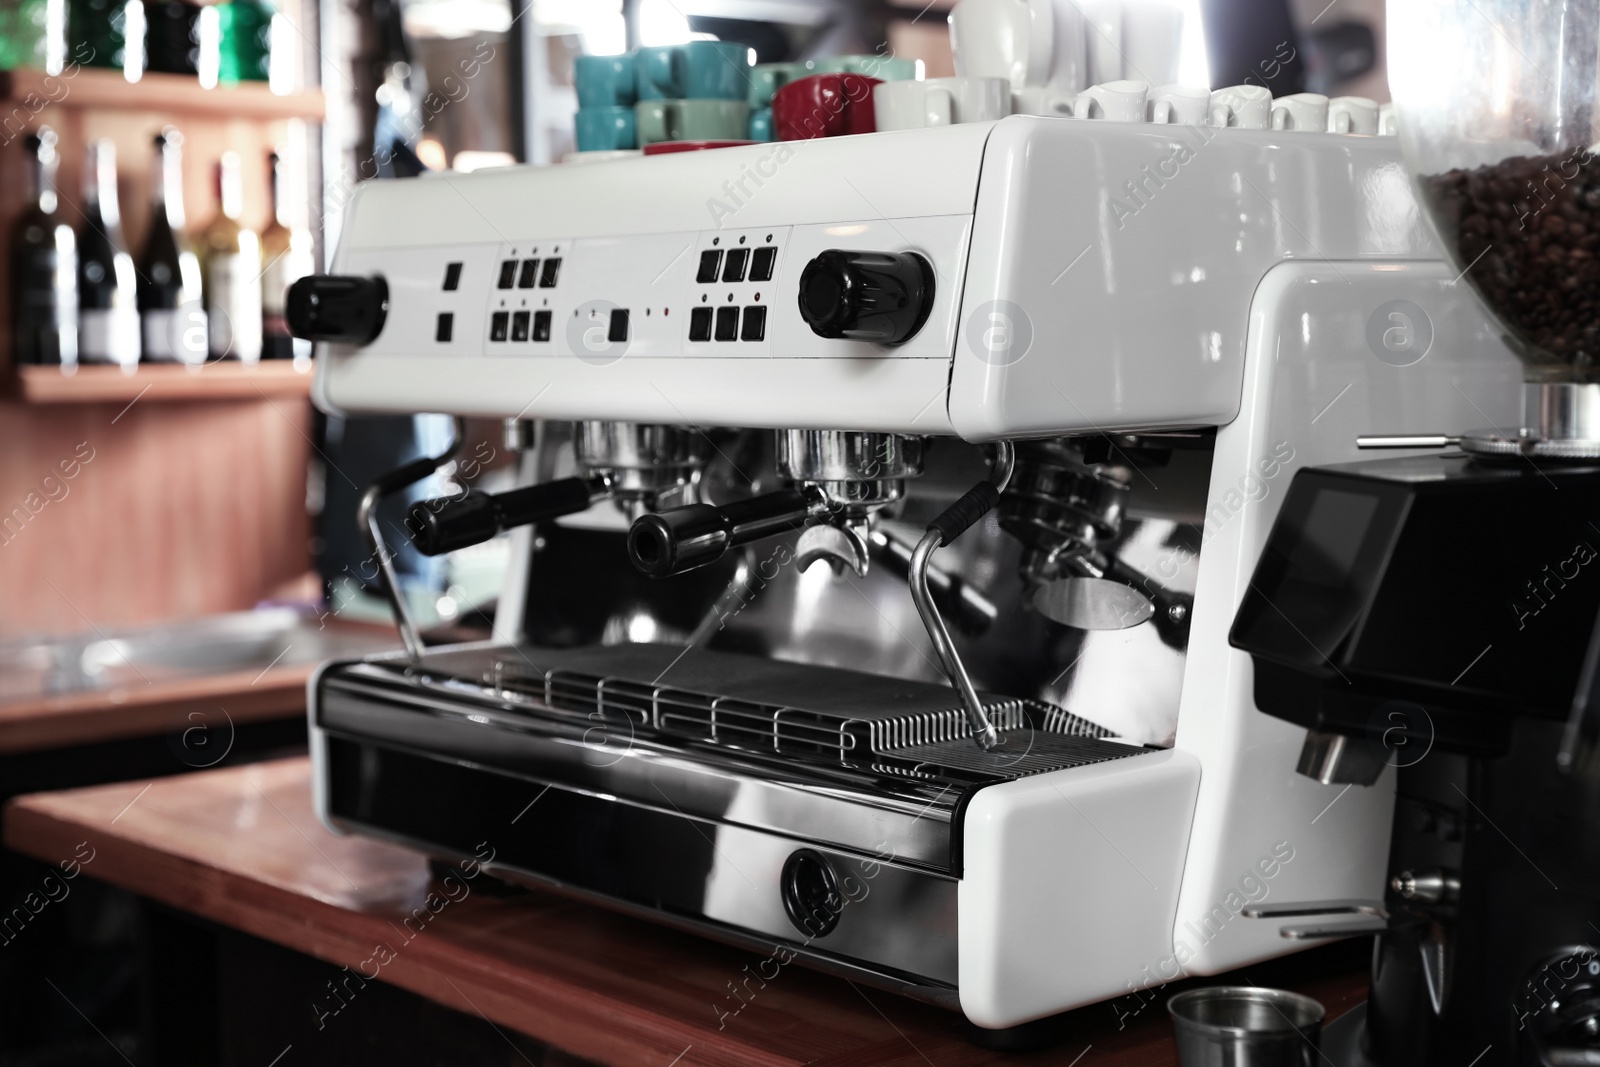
[
  {"x": 1021, "y": 752},
  {"x": 771, "y": 706}
]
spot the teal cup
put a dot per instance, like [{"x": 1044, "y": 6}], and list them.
[
  {"x": 761, "y": 126},
  {"x": 605, "y": 129},
  {"x": 767, "y": 78},
  {"x": 605, "y": 81},
  {"x": 699, "y": 70},
  {"x": 691, "y": 120},
  {"x": 884, "y": 68}
]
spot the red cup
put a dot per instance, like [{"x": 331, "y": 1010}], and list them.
[
  {"x": 825, "y": 105},
  {"x": 662, "y": 148}
]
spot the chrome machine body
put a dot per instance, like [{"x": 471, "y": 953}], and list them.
[{"x": 773, "y": 384}]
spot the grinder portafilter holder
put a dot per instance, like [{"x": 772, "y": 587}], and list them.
[{"x": 1496, "y": 101}]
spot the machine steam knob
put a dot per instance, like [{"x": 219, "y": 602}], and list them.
[
  {"x": 882, "y": 297},
  {"x": 339, "y": 308}
]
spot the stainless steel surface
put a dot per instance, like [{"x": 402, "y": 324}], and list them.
[
  {"x": 1560, "y": 421},
  {"x": 1092, "y": 603},
  {"x": 641, "y": 461},
  {"x": 1415, "y": 440},
  {"x": 1246, "y": 1026},
  {"x": 658, "y": 793},
  {"x": 1061, "y": 507},
  {"x": 847, "y": 456},
  {"x": 1561, "y": 411},
  {"x": 1374, "y": 908},
  {"x": 249, "y": 641},
  {"x": 983, "y": 730},
  {"x": 367, "y": 517},
  {"x": 1337, "y": 759},
  {"x": 1328, "y": 931},
  {"x": 1427, "y": 887},
  {"x": 518, "y": 435},
  {"x": 840, "y": 546}
]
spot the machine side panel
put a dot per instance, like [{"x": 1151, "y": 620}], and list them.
[
  {"x": 1070, "y": 880},
  {"x": 1336, "y": 350},
  {"x": 1112, "y": 265}
]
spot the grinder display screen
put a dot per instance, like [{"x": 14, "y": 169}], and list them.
[{"x": 1335, "y": 528}]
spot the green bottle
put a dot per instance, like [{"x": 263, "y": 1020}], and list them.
[
  {"x": 24, "y": 35},
  {"x": 246, "y": 41},
  {"x": 100, "y": 33}
]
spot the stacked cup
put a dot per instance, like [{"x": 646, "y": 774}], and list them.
[
  {"x": 606, "y": 91},
  {"x": 831, "y": 97},
  {"x": 692, "y": 92}
]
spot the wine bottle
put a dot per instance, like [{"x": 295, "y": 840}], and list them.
[
  {"x": 108, "y": 302},
  {"x": 170, "y": 311},
  {"x": 232, "y": 271},
  {"x": 287, "y": 252},
  {"x": 108, "y": 33},
  {"x": 44, "y": 266}
]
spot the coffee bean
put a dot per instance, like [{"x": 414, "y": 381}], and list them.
[{"x": 1532, "y": 238}]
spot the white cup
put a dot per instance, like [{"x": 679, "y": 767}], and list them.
[
  {"x": 1388, "y": 121},
  {"x": 1300, "y": 111},
  {"x": 1353, "y": 114},
  {"x": 1119, "y": 101},
  {"x": 916, "y": 105},
  {"x": 1245, "y": 106},
  {"x": 1036, "y": 45},
  {"x": 1184, "y": 105}
]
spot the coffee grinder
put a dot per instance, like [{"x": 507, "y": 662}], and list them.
[{"x": 1436, "y": 613}]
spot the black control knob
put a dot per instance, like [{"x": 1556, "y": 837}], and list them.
[
  {"x": 340, "y": 308},
  {"x": 882, "y": 297}
]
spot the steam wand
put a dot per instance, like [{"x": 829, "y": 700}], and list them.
[
  {"x": 950, "y": 524},
  {"x": 367, "y": 516}
]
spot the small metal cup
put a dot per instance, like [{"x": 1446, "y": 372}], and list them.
[{"x": 1245, "y": 1026}]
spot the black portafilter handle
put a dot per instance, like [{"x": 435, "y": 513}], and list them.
[
  {"x": 680, "y": 539},
  {"x": 448, "y": 523},
  {"x": 338, "y": 308}
]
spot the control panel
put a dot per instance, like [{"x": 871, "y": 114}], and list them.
[{"x": 717, "y": 293}]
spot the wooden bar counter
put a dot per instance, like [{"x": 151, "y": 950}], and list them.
[{"x": 240, "y": 847}]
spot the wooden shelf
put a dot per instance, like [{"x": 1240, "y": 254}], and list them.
[
  {"x": 169, "y": 93},
  {"x": 163, "y": 381}
]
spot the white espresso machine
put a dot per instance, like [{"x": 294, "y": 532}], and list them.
[{"x": 890, "y": 502}]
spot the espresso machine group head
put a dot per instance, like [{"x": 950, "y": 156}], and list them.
[{"x": 996, "y": 753}]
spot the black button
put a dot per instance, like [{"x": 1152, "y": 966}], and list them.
[
  {"x": 519, "y": 326},
  {"x": 617, "y": 331},
  {"x": 700, "y": 324},
  {"x": 541, "y": 325},
  {"x": 761, "y": 263},
  {"x": 443, "y": 328},
  {"x": 755, "y": 324},
  {"x": 508, "y": 271},
  {"x": 452, "y": 277},
  {"x": 710, "y": 263},
  {"x": 525, "y": 277},
  {"x": 733, "y": 270},
  {"x": 547, "y": 277},
  {"x": 497, "y": 325},
  {"x": 727, "y": 323}
]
